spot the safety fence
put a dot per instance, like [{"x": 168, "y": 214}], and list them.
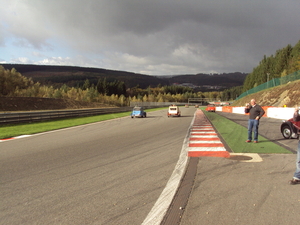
[
  {"x": 37, "y": 116},
  {"x": 156, "y": 104},
  {"x": 272, "y": 83}
]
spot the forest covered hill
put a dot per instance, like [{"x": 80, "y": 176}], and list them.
[
  {"x": 76, "y": 76},
  {"x": 287, "y": 94}
]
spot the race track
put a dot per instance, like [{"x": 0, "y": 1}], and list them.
[{"x": 109, "y": 172}]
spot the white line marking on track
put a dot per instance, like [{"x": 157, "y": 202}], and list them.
[
  {"x": 203, "y": 136},
  {"x": 162, "y": 204},
  {"x": 204, "y": 149},
  {"x": 193, "y": 142},
  {"x": 58, "y": 130}
]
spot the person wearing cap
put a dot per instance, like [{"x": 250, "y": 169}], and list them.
[
  {"x": 255, "y": 113},
  {"x": 296, "y": 178}
]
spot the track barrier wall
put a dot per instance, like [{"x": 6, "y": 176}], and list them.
[{"x": 283, "y": 113}]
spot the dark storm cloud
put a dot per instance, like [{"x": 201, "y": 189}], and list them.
[{"x": 159, "y": 36}]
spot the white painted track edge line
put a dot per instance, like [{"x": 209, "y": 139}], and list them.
[
  {"x": 205, "y": 142},
  {"x": 162, "y": 204},
  {"x": 206, "y": 149}
]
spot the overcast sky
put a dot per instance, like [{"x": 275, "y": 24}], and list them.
[{"x": 153, "y": 37}]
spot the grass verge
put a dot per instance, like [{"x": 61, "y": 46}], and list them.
[
  {"x": 8, "y": 131},
  {"x": 235, "y": 136},
  {"x": 33, "y": 128}
]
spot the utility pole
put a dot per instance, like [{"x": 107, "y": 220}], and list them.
[{"x": 268, "y": 74}]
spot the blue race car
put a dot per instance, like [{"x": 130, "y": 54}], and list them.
[{"x": 138, "y": 112}]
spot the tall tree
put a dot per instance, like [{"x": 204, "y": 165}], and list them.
[{"x": 86, "y": 84}]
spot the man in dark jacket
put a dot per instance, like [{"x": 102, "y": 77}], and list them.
[
  {"x": 296, "y": 178},
  {"x": 255, "y": 113}
]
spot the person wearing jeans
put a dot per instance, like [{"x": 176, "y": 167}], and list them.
[
  {"x": 296, "y": 178},
  {"x": 255, "y": 113}
]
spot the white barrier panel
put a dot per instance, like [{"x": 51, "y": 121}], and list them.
[
  {"x": 280, "y": 113},
  {"x": 239, "y": 110},
  {"x": 272, "y": 112},
  {"x": 219, "y": 108}
]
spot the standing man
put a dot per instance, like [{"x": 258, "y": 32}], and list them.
[
  {"x": 296, "y": 178},
  {"x": 255, "y": 113}
]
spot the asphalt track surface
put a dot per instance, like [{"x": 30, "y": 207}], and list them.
[
  {"x": 229, "y": 191},
  {"x": 113, "y": 172},
  {"x": 109, "y": 172}
]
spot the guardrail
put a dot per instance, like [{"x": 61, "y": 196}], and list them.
[
  {"x": 159, "y": 104},
  {"x": 28, "y": 117},
  {"x": 37, "y": 116}
]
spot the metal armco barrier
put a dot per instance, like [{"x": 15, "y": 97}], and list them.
[{"x": 27, "y": 117}]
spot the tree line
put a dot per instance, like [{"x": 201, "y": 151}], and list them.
[
  {"x": 13, "y": 84},
  {"x": 284, "y": 62}
]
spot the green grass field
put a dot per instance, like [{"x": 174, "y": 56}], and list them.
[
  {"x": 234, "y": 134},
  {"x": 33, "y": 128},
  {"x": 8, "y": 131}
]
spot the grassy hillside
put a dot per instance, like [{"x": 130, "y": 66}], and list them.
[{"x": 287, "y": 94}]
